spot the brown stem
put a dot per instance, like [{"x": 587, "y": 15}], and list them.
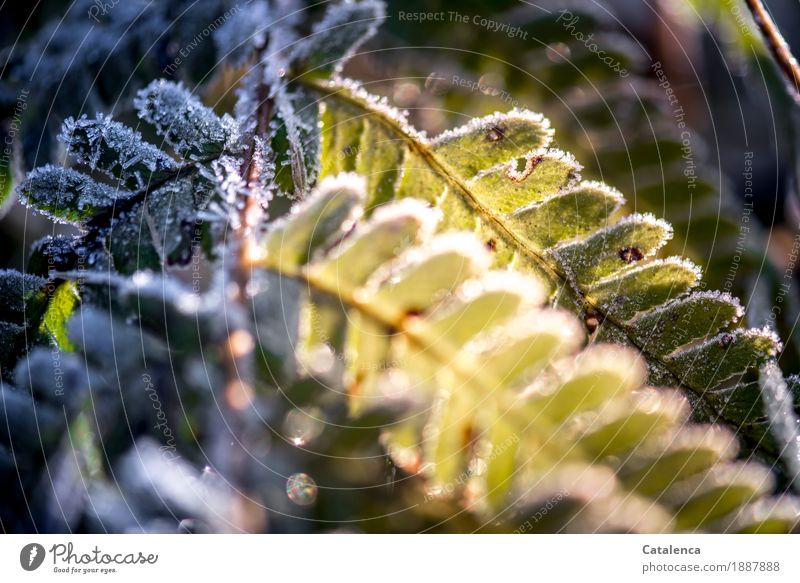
[
  {"x": 237, "y": 347},
  {"x": 778, "y": 46}
]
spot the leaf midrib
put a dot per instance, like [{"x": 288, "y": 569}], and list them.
[
  {"x": 552, "y": 267},
  {"x": 446, "y": 354}
]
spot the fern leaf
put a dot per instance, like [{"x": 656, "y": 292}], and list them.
[
  {"x": 498, "y": 177},
  {"x": 500, "y": 379}
]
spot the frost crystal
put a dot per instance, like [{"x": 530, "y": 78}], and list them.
[
  {"x": 16, "y": 290},
  {"x": 298, "y": 116},
  {"x": 190, "y": 127},
  {"x": 118, "y": 151},
  {"x": 263, "y": 189},
  {"x": 377, "y": 104},
  {"x": 481, "y": 124},
  {"x": 783, "y": 421},
  {"x": 226, "y": 172},
  {"x": 66, "y": 195}
]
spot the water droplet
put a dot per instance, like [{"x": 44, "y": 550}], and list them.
[{"x": 301, "y": 489}]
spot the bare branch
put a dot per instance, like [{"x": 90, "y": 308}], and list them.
[{"x": 778, "y": 47}]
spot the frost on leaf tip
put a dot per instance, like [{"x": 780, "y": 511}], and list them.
[
  {"x": 462, "y": 243},
  {"x": 329, "y": 211},
  {"x": 379, "y": 105},
  {"x": 427, "y": 217},
  {"x": 344, "y": 182},
  {"x": 492, "y": 126},
  {"x": 531, "y": 290}
]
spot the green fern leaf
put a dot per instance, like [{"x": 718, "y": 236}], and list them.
[
  {"x": 511, "y": 411},
  {"x": 498, "y": 177}
]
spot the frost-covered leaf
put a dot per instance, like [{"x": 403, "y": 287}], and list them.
[
  {"x": 191, "y": 128},
  {"x": 768, "y": 515},
  {"x": 605, "y": 252},
  {"x": 499, "y": 177},
  {"x": 55, "y": 253},
  {"x": 502, "y": 392},
  {"x": 130, "y": 242},
  {"x": 295, "y": 141},
  {"x": 719, "y": 491},
  {"x": 684, "y": 320},
  {"x": 66, "y": 195},
  {"x": 21, "y": 295},
  {"x": 109, "y": 146},
  {"x": 173, "y": 217},
  {"x": 293, "y": 240},
  {"x": 336, "y": 37},
  {"x": 158, "y": 211},
  {"x": 725, "y": 355},
  {"x": 577, "y": 211},
  {"x": 27, "y": 303},
  {"x": 783, "y": 423}
]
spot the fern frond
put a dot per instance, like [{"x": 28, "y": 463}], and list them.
[
  {"x": 624, "y": 118},
  {"x": 500, "y": 380},
  {"x": 499, "y": 178}
]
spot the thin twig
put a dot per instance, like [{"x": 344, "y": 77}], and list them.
[{"x": 778, "y": 46}]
